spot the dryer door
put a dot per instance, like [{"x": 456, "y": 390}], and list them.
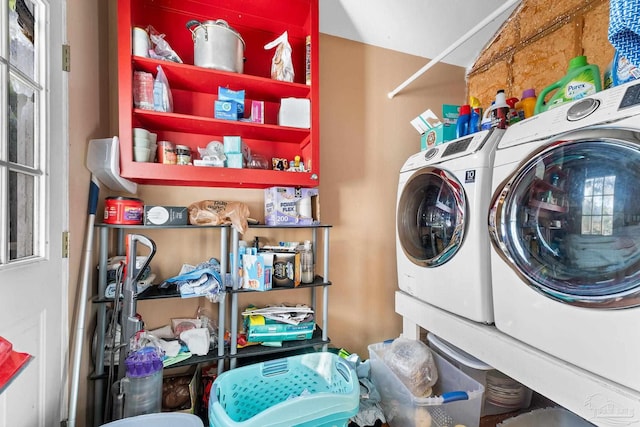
[
  {"x": 568, "y": 219},
  {"x": 431, "y": 217}
]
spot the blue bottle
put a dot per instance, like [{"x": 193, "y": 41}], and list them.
[{"x": 462, "y": 124}]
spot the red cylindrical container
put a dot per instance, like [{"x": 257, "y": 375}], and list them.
[{"x": 123, "y": 211}]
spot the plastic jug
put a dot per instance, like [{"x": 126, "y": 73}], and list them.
[
  {"x": 582, "y": 79},
  {"x": 142, "y": 385},
  {"x": 463, "y": 121},
  {"x": 476, "y": 115},
  {"x": 527, "y": 105},
  {"x": 498, "y": 113}
]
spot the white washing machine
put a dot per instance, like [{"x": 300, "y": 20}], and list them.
[
  {"x": 442, "y": 244},
  {"x": 565, "y": 232}
]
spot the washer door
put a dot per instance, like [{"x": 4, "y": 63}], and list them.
[
  {"x": 431, "y": 217},
  {"x": 568, "y": 219}
]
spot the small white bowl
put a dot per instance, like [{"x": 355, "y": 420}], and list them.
[
  {"x": 140, "y": 132},
  {"x": 141, "y": 154},
  {"x": 141, "y": 142},
  {"x": 153, "y": 148},
  {"x": 153, "y": 137}
]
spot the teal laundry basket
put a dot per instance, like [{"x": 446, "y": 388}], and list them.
[{"x": 308, "y": 390}]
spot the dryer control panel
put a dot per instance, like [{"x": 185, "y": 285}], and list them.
[{"x": 631, "y": 97}]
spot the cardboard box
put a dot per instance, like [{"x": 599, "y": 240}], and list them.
[
  {"x": 257, "y": 270},
  {"x": 166, "y": 215},
  {"x": 225, "y": 110},
  {"x": 235, "y": 96},
  {"x": 261, "y": 329},
  {"x": 286, "y": 269},
  {"x": 174, "y": 378},
  {"x": 291, "y": 206},
  {"x": 433, "y": 131},
  {"x": 450, "y": 114}
]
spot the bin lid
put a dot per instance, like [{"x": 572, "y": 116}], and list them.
[{"x": 457, "y": 354}]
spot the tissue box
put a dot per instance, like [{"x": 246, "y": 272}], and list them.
[
  {"x": 166, "y": 215},
  {"x": 257, "y": 270},
  {"x": 235, "y": 96},
  {"x": 295, "y": 112},
  {"x": 291, "y": 206},
  {"x": 225, "y": 110},
  {"x": 232, "y": 144}
]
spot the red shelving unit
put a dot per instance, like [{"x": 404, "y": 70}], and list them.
[{"x": 194, "y": 90}]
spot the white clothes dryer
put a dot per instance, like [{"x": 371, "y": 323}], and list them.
[
  {"x": 565, "y": 231},
  {"x": 442, "y": 244}
]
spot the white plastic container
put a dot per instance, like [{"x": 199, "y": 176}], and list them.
[
  {"x": 456, "y": 397},
  {"x": 167, "y": 419},
  {"x": 501, "y": 393}
]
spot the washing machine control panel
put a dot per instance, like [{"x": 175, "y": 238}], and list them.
[{"x": 631, "y": 97}]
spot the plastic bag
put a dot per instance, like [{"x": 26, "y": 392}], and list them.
[
  {"x": 281, "y": 64},
  {"x": 215, "y": 212},
  {"x": 162, "y": 99},
  {"x": 412, "y": 361},
  {"x": 161, "y": 49}
]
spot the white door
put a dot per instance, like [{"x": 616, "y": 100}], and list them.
[{"x": 33, "y": 208}]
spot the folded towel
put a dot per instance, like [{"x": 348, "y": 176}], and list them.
[{"x": 624, "y": 28}]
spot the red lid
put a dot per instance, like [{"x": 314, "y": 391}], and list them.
[
  {"x": 465, "y": 109},
  {"x": 512, "y": 102}
]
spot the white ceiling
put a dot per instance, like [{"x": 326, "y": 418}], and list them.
[{"x": 418, "y": 27}]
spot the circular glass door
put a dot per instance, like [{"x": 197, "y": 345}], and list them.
[
  {"x": 431, "y": 214},
  {"x": 568, "y": 219}
]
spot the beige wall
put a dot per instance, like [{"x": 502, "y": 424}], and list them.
[
  {"x": 88, "y": 115},
  {"x": 365, "y": 139}
]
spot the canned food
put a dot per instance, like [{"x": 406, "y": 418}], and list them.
[
  {"x": 166, "y": 153},
  {"x": 183, "y": 155},
  {"x": 123, "y": 211}
]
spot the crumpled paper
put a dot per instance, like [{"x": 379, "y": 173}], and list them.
[{"x": 216, "y": 212}]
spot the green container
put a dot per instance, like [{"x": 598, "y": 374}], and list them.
[{"x": 582, "y": 79}]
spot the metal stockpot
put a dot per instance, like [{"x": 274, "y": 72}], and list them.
[{"x": 217, "y": 45}]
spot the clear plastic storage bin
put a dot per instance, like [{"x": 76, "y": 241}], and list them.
[
  {"x": 166, "y": 419},
  {"x": 309, "y": 390},
  {"x": 501, "y": 393},
  {"x": 456, "y": 397}
]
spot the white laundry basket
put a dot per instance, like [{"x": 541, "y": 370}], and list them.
[{"x": 166, "y": 419}]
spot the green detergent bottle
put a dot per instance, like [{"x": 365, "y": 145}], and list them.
[{"x": 582, "y": 79}]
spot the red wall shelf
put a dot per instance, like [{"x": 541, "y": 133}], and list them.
[{"x": 194, "y": 90}]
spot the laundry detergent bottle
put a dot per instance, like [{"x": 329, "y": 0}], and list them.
[
  {"x": 497, "y": 116},
  {"x": 462, "y": 124},
  {"x": 527, "y": 105},
  {"x": 476, "y": 114},
  {"x": 582, "y": 79}
]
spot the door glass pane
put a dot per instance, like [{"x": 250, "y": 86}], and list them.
[
  {"x": 22, "y": 36},
  {"x": 21, "y": 215},
  {"x": 431, "y": 217},
  {"x": 21, "y": 122},
  {"x": 574, "y": 229}
]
